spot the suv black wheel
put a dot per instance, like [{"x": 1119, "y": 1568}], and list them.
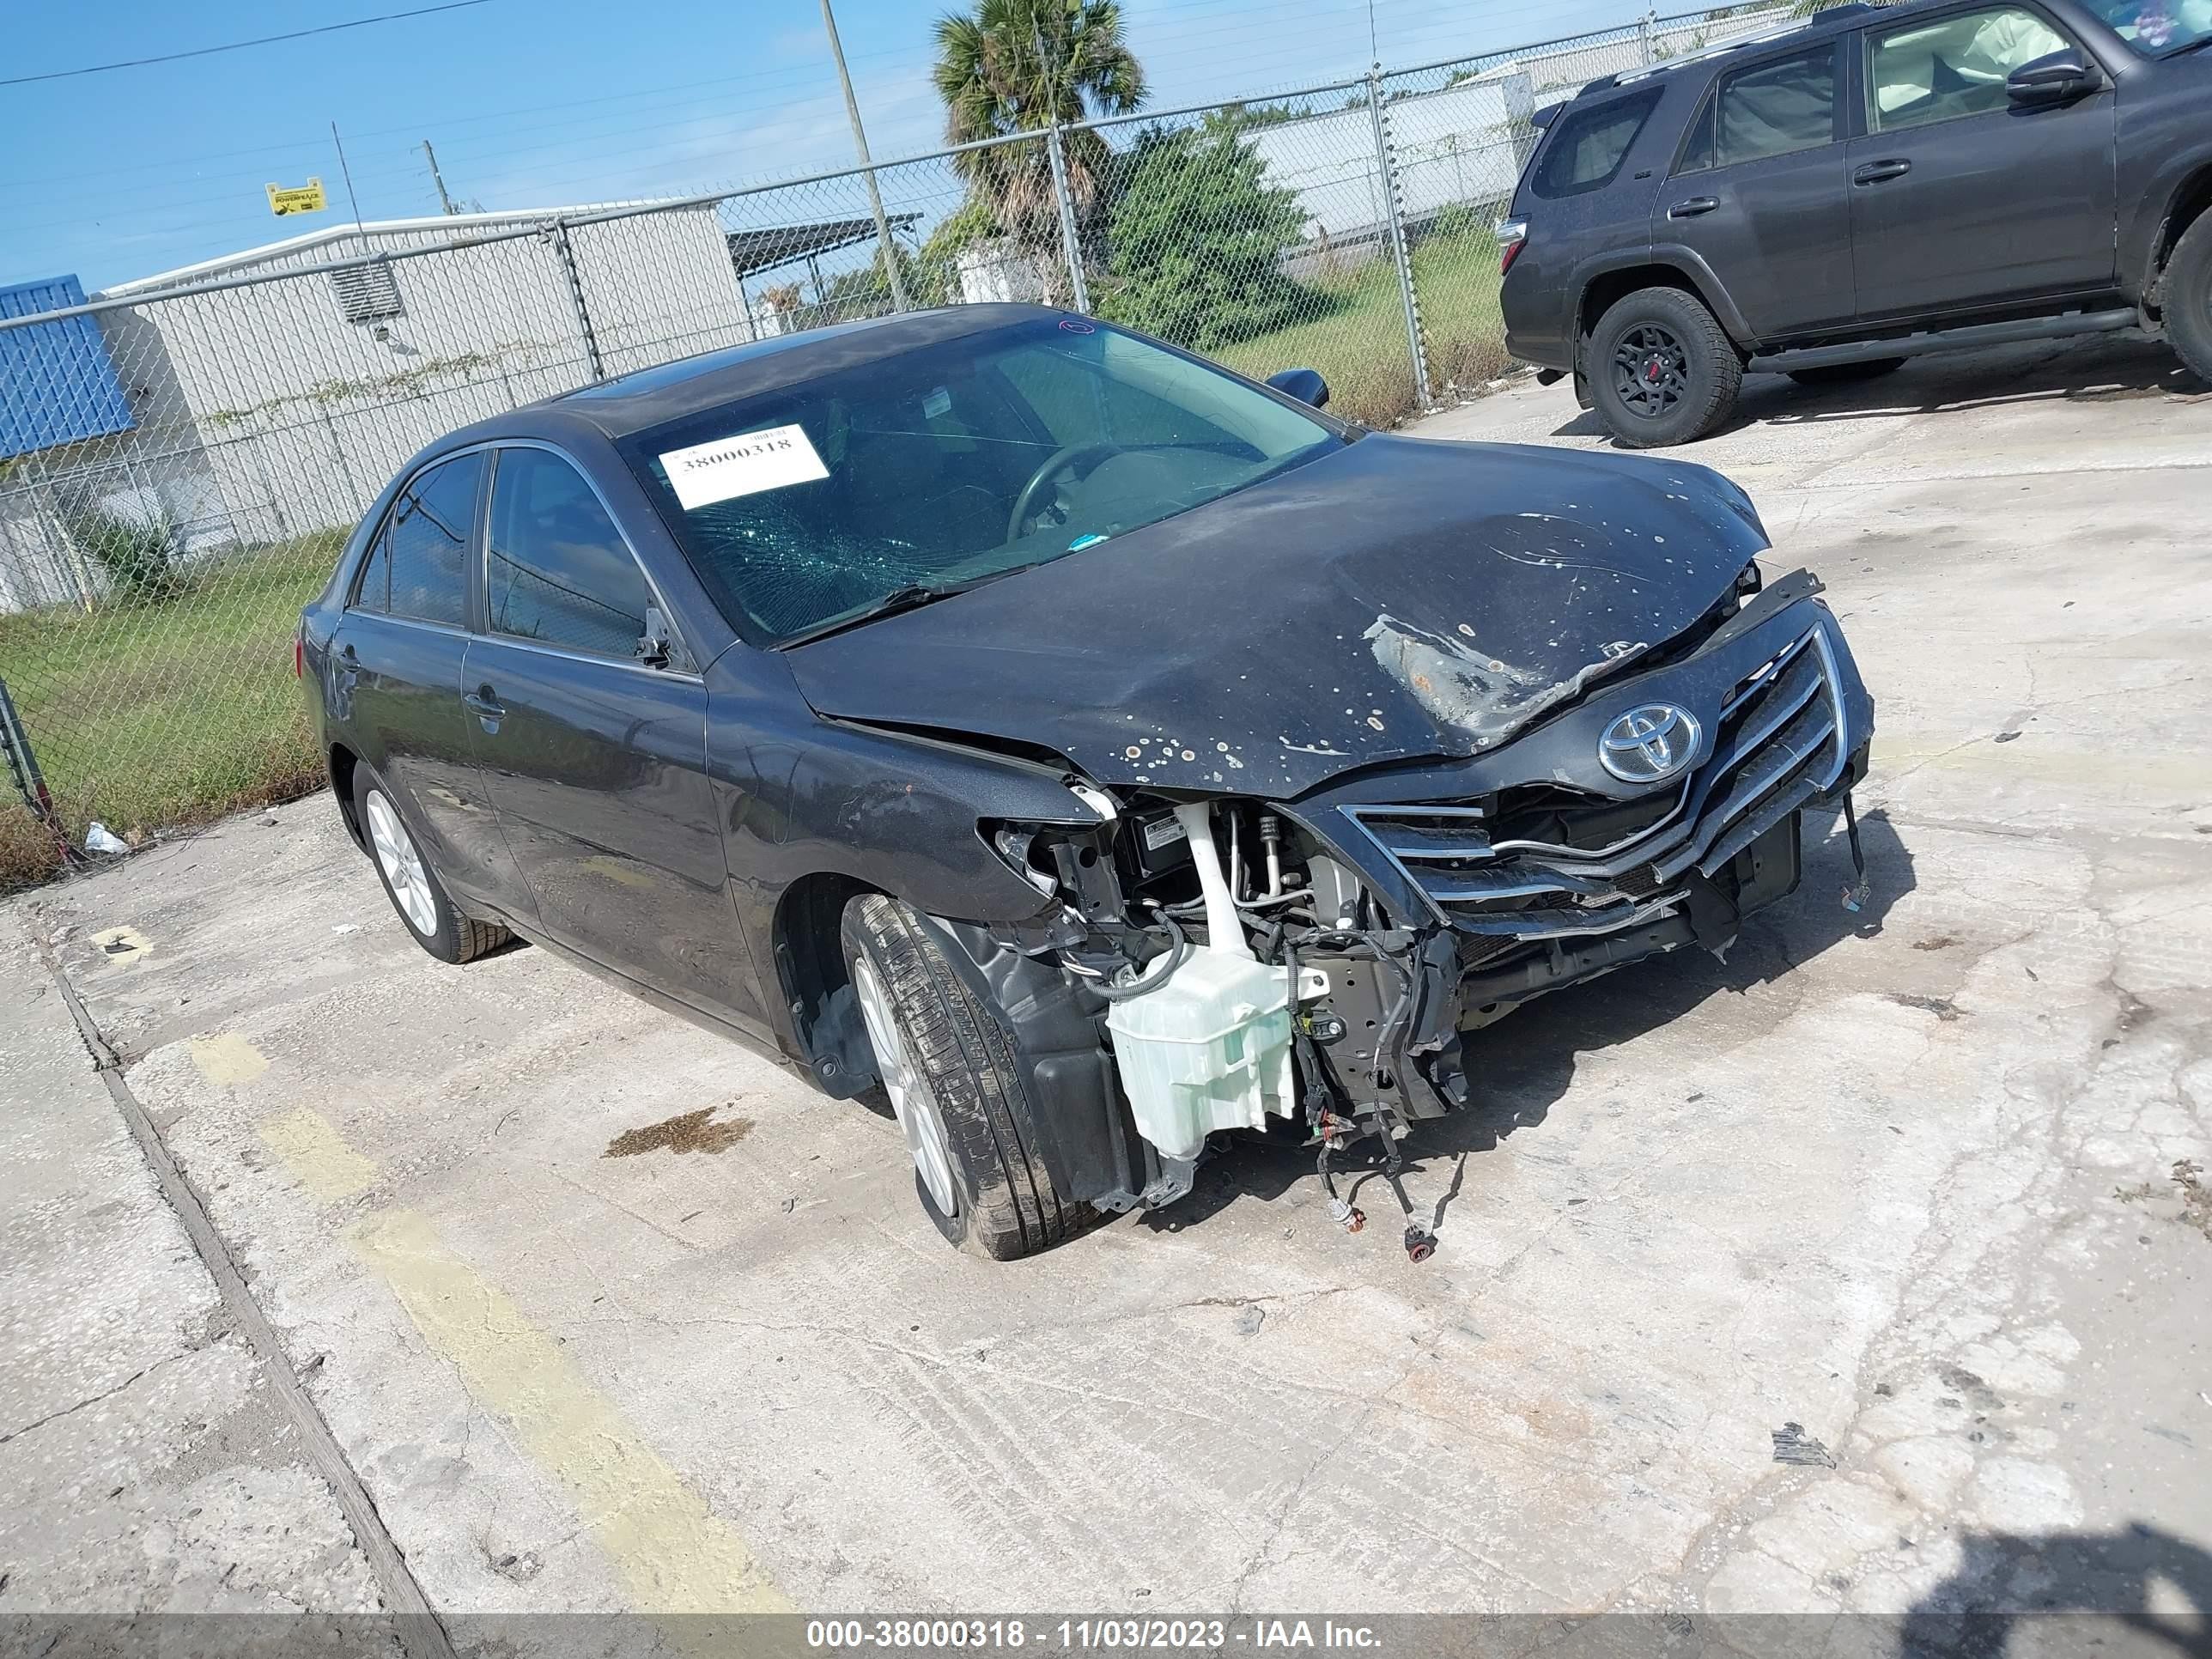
[
  {"x": 1660, "y": 368},
  {"x": 1847, "y": 373},
  {"x": 2186, "y": 296},
  {"x": 413, "y": 887},
  {"x": 950, "y": 1070}
]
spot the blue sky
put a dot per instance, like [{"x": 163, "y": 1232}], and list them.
[{"x": 534, "y": 103}]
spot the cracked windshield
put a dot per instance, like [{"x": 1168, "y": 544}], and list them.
[{"x": 809, "y": 508}]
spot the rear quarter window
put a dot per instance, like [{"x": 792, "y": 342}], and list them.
[{"x": 1586, "y": 147}]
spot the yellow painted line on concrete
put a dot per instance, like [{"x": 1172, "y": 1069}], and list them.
[
  {"x": 227, "y": 1059},
  {"x": 673, "y": 1554},
  {"x": 317, "y": 1155}
]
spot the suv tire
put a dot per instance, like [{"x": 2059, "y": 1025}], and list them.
[
  {"x": 1661, "y": 369},
  {"x": 411, "y": 884},
  {"x": 2185, "y": 297},
  {"x": 1847, "y": 373},
  {"x": 949, "y": 1069}
]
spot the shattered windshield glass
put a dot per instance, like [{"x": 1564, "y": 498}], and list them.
[{"x": 952, "y": 464}]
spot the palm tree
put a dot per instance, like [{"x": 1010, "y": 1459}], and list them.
[{"x": 1011, "y": 66}]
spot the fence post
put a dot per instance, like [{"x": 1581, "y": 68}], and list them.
[
  {"x": 23, "y": 767},
  {"x": 1400, "y": 254},
  {"x": 1646, "y": 36},
  {"x": 576, "y": 299},
  {"x": 1071, "y": 245}
]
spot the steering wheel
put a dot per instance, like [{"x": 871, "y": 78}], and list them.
[{"x": 1060, "y": 460}]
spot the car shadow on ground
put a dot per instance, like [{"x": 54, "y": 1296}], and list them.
[
  {"x": 2007, "y": 1581},
  {"x": 2097, "y": 370},
  {"x": 1524, "y": 1064}
]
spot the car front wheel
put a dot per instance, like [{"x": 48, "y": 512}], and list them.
[
  {"x": 408, "y": 882},
  {"x": 950, "y": 1073},
  {"x": 1660, "y": 368}
]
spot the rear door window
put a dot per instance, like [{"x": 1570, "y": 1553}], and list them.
[
  {"x": 1774, "y": 108},
  {"x": 417, "y": 567},
  {"x": 1587, "y": 146},
  {"x": 557, "y": 570}
]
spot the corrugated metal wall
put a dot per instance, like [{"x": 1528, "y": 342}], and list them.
[{"x": 56, "y": 383}]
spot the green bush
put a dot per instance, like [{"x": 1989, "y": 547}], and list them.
[
  {"x": 138, "y": 555},
  {"x": 1193, "y": 239}
]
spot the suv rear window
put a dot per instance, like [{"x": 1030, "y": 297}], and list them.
[{"x": 1587, "y": 147}]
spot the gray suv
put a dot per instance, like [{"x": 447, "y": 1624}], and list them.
[{"x": 1827, "y": 202}]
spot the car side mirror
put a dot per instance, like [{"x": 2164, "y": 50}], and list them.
[
  {"x": 654, "y": 645},
  {"x": 1305, "y": 384},
  {"x": 2058, "y": 78}
]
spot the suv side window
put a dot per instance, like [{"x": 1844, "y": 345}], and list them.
[
  {"x": 1954, "y": 66},
  {"x": 418, "y": 565},
  {"x": 559, "y": 572},
  {"x": 1586, "y": 148},
  {"x": 1774, "y": 108}
]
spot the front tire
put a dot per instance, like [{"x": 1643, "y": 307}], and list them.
[
  {"x": 955, "y": 1088},
  {"x": 410, "y": 883},
  {"x": 2185, "y": 298},
  {"x": 1661, "y": 369}
]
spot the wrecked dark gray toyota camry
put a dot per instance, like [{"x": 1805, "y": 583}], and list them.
[{"x": 1100, "y": 750}]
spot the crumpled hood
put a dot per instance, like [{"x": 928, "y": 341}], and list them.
[{"x": 1395, "y": 599}]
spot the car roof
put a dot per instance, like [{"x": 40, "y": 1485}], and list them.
[
  {"x": 1833, "y": 21},
  {"x": 653, "y": 397}
]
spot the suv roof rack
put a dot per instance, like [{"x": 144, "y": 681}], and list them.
[{"x": 1851, "y": 9}]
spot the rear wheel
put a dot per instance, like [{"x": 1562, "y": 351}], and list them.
[
  {"x": 955, "y": 1087},
  {"x": 1847, "y": 373},
  {"x": 2185, "y": 297},
  {"x": 410, "y": 883},
  {"x": 1661, "y": 369}
]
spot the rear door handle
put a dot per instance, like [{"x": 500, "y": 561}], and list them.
[
  {"x": 1693, "y": 207},
  {"x": 1875, "y": 172},
  {"x": 485, "y": 703}
]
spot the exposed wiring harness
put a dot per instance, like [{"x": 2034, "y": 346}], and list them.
[{"x": 1179, "y": 951}]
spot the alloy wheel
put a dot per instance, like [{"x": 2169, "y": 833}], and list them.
[
  {"x": 911, "y": 1100},
  {"x": 1650, "y": 370},
  {"x": 402, "y": 865}
]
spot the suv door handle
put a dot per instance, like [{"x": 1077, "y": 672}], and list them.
[
  {"x": 1875, "y": 172},
  {"x": 1693, "y": 207},
  {"x": 485, "y": 703}
]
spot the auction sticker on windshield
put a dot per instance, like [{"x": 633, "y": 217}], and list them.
[{"x": 729, "y": 467}]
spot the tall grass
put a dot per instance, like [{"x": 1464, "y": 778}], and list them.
[
  {"x": 150, "y": 711},
  {"x": 1358, "y": 341}
]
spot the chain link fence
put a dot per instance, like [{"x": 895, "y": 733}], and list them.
[{"x": 181, "y": 457}]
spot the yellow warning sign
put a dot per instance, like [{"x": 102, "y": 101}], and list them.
[{"x": 297, "y": 198}]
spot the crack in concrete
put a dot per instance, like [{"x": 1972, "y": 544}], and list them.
[{"x": 95, "y": 1399}]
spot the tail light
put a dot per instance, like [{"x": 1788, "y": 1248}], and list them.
[
  {"x": 1512, "y": 237},
  {"x": 299, "y": 657}
]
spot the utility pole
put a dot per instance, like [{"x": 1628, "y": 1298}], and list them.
[
  {"x": 439, "y": 178},
  {"x": 860, "y": 144},
  {"x": 348, "y": 172}
]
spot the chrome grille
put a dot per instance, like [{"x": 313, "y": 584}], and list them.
[{"x": 1779, "y": 744}]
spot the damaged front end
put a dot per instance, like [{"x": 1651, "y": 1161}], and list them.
[{"x": 1231, "y": 959}]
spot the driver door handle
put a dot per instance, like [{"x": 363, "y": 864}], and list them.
[
  {"x": 1693, "y": 207},
  {"x": 1875, "y": 172},
  {"x": 485, "y": 703}
]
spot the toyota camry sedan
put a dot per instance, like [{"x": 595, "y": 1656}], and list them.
[{"x": 1093, "y": 750}]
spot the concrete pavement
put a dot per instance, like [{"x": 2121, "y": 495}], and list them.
[{"x": 1854, "y": 1273}]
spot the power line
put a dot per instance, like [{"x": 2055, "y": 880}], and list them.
[{"x": 237, "y": 46}]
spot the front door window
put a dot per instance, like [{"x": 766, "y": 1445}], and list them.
[{"x": 1954, "y": 66}]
